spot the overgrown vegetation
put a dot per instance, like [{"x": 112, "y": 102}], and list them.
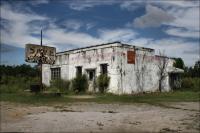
[
  {"x": 193, "y": 72},
  {"x": 79, "y": 83},
  {"x": 19, "y": 71},
  {"x": 59, "y": 86},
  {"x": 11, "y": 84},
  {"x": 190, "y": 77},
  {"x": 103, "y": 82},
  {"x": 191, "y": 84},
  {"x": 16, "y": 79}
]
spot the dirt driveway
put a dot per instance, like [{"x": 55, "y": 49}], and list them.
[{"x": 93, "y": 117}]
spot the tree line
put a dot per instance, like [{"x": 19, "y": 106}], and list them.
[
  {"x": 193, "y": 71},
  {"x": 19, "y": 71}
]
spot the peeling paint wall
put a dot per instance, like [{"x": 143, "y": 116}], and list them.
[{"x": 123, "y": 76}]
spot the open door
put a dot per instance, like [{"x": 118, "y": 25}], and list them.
[
  {"x": 91, "y": 73},
  {"x": 175, "y": 80}
]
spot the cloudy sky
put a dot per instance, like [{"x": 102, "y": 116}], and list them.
[{"x": 169, "y": 25}]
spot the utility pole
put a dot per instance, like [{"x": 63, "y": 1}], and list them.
[{"x": 40, "y": 63}]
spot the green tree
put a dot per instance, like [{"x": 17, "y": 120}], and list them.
[
  {"x": 80, "y": 83},
  {"x": 103, "y": 82},
  {"x": 179, "y": 63},
  {"x": 196, "y": 69}
]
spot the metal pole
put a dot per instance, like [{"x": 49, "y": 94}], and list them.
[{"x": 41, "y": 55}]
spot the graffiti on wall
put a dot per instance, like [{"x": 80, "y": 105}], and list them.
[{"x": 43, "y": 54}]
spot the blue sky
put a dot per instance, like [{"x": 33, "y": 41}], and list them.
[{"x": 169, "y": 25}]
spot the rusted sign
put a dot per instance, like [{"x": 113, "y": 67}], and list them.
[
  {"x": 37, "y": 53},
  {"x": 131, "y": 57}
]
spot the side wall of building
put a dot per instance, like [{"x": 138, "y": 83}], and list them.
[{"x": 142, "y": 75}]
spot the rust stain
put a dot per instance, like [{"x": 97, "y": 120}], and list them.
[{"x": 131, "y": 57}]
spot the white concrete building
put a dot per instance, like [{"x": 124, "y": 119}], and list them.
[{"x": 131, "y": 69}]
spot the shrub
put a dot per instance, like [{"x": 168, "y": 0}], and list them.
[
  {"x": 59, "y": 85},
  {"x": 11, "y": 84},
  {"x": 187, "y": 83},
  {"x": 80, "y": 83},
  {"x": 191, "y": 84},
  {"x": 103, "y": 82}
]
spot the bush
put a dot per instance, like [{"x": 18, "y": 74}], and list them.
[
  {"x": 191, "y": 84},
  {"x": 103, "y": 82},
  {"x": 11, "y": 84},
  {"x": 59, "y": 85},
  {"x": 80, "y": 83}
]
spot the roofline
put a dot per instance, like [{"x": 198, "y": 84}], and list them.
[
  {"x": 103, "y": 44},
  {"x": 165, "y": 57}
]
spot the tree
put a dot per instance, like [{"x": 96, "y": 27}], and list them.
[
  {"x": 193, "y": 71},
  {"x": 19, "y": 70},
  {"x": 162, "y": 62},
  {"x": 80, "y": 83},
  {"x": 103, "y": 81},
  {"x": 197, "y": 69},
  {"x": 179, "y": 63}
]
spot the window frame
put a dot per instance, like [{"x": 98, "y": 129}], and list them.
[
  {"x": 104, "y": 68},
  {"x": 55, "y": 73}
]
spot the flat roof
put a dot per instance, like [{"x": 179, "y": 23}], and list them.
[{"x": 104, "y": 44}]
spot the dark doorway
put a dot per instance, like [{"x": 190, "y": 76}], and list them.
[
  {"x": 175, "y": 80},
  {"x": 91, "y": 74},
  {"x": 104, "y": 68},
  {"x": 78, "y": 70}
]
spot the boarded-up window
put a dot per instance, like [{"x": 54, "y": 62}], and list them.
[{"x": 131, "y": 57}]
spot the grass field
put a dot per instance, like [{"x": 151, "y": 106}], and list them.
[{"x": 152, "y": 98}]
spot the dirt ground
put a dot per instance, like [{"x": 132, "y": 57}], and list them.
[{"x": 93, "y": 117}]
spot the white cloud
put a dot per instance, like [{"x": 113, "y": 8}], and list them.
[
  {"x": 38, "y": 2},
  {"x": 117, "y": 35},
  {"x": 89, "y": 26},
  {"x": 78, "y": 39},
  {"x": 182, "y": 33},
  {"x": 16, "y": 33},
  {"x": 154, "y": 17},
  {"x": 186, "y": 18},
  {"x": 181, "y": 17},
  {"x": 80, "y": 5},
  {"x": 72, "y": 24},
  {"x": 178, "y": 3},
  {"x": 130, "y": 5}
]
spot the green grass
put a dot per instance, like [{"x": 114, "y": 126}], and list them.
[
  {"x": 153, "y": 98},
  {"x": 178, "y": 96},
  {"x": 12, "y": 90}
]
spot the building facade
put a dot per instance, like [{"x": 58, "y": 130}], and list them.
[{"x": 131, "y": 69}]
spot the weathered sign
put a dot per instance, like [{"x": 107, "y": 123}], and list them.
[
  {"x": 131, "y": 57},
  {"x": 42, "y": 54}
]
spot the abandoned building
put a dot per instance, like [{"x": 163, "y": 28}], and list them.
[{"x": 131, "y": 68}]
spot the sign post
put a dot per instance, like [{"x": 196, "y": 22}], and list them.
[
  {"x": 40, "y": 54},
  {"x": 40, "y": 63}
]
